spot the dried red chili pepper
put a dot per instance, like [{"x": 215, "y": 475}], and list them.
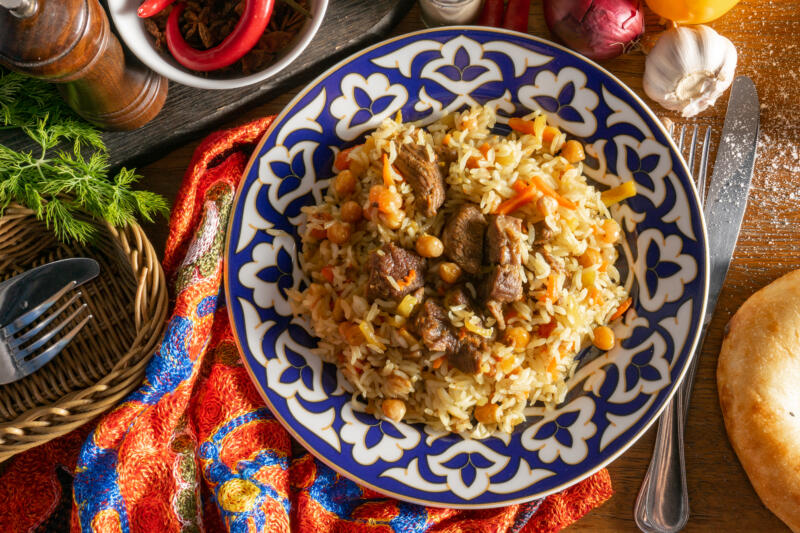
[
  {"x": 152, "y": 7},
  {"x": 492, "y": 13},
  {"x": 516, "y": 17},
  {"x": 241, "y": 40}
]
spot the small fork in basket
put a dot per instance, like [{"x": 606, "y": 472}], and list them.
[{"x": 30, "y": 340}]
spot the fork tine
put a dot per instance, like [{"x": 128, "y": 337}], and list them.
[
  {"x": 37, "y": 311},
  {"x": 41, "y": 341},
  {"x": 693, "y": 152},
  {"x": 22, "y": 339},
  {"x": 40, "y": 360},
  {"x": 702, "y": 172},
  {"x": 681, "y": 138}
]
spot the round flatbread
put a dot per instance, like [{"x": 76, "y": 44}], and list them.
[{"x": 758, "y": 379}]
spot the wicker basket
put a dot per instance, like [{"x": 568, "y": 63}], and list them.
[{"x": 106, "y": 361}]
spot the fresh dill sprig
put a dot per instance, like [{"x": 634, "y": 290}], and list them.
[{"x": 67, "y": 174}]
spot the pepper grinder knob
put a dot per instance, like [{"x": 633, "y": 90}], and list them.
[{"x": 69, "y": 42}]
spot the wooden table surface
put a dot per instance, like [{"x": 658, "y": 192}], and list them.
[{"x": 767, "y": 36}]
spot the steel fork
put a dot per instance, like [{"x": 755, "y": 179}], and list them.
[
  {"x": 24, "y": 342},
  {"x": 654, "y": 505}
]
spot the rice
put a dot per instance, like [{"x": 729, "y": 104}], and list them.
[{"x": 374, "y": 345}]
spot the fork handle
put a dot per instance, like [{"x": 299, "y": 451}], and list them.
[{"x": 662, "y": 505}]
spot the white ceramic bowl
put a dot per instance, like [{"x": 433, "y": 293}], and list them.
[{"x": 131, "y": 28}]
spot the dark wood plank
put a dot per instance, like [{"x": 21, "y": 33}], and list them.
[{"x": 189, "y": 113}]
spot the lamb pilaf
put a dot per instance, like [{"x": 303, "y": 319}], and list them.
[{"x": 455, "y": 273}]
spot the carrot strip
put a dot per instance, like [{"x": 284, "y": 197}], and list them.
[
  {"x": 551, "y": 366},
  {"x": 546, "y": 329},
  {"x": 547, "y": 190},
  {"x": 446, "y": 140},
  {"x": 484, "y": 149},
  {"x": 520, "y": 186},
  {"x": 512, "y": 204},
  {"x": 437, "y": 362},
  {"x": 472, "y": 162},
  {"x": 549, "y": 134},
  {"x": 408, "y": 280},
  {"x": 624, "y": 306},
  {"x": 388, "y": 181},
  {"x": 550, "y": 291},
  {"x": 342, "y": 161},
  {"x": 551, "y": 288},
  {"x": 521, "y": 125},
  {"x": 327, "y": 273}
]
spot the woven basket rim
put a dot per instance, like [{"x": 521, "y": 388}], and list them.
[{"x": 46, "y": 422}]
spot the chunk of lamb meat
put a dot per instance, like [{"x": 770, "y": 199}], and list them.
[
  {"x": 457, "y": 296},
  {"x": 424, "y": 176},
  {"x": 504, "y": 284},
  {"x": 435, "y": 329},
  {"x": 468, "y": 356},
  {"x": 504, "y": 240},
  {"x": 463, "y": 238},
  {"x": 406, "y": 267}
]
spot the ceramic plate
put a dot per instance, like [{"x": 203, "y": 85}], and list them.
[{"x": 613, "y": 397}]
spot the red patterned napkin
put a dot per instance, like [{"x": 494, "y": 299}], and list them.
[{"x": 195, "y": 449}]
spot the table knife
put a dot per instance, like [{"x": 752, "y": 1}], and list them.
[{"x": 663, "y": 501}]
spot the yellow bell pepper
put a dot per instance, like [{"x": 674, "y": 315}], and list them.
[
  {"x": 618, "y": 193},
  {"x": 691, "y": 11}
]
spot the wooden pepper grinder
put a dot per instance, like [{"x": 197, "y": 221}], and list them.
[{"x": 70, "y": 42}]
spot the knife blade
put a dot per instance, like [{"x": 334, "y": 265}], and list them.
[
  {"x": 29, "y": 289},
  {"x": 730, "y": 184}
]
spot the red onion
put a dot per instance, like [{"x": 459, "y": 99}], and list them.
[{"x": 598, "y": 29}]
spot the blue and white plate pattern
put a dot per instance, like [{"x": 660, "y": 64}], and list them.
[{"x": 614, "y": 397}]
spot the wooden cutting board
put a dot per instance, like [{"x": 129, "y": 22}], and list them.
[{"x": 190, "y": 113}]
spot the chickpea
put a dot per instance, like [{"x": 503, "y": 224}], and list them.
[
  {"x": 429, "y": 246},
  {"x": 398, "y": 385},
  {"x": 344, "y": 184},
  {"x": 486, "y": 414},
  {"x": 449, "y": 272},
  {"x": 603, "y": 337},
  {"x": 611, "y": 231},
  {"x": 351, "y": 211},
  {"x": 394, "y": 409},
  {"x": 385, "y": 199},
  {"x": 546, "y": 205},
  {"x": 590, "y": 258},
  {"x": 339, "y": 232},
  {"x": 573, "y": 151},
  {"x": 392, "y": 220},
  {"x": 518, "y": 337}
]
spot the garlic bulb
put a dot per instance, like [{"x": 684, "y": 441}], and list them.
[{"x": 688, "y": 68}]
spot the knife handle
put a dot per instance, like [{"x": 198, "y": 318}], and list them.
[{"x": 662, "y": 505}]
